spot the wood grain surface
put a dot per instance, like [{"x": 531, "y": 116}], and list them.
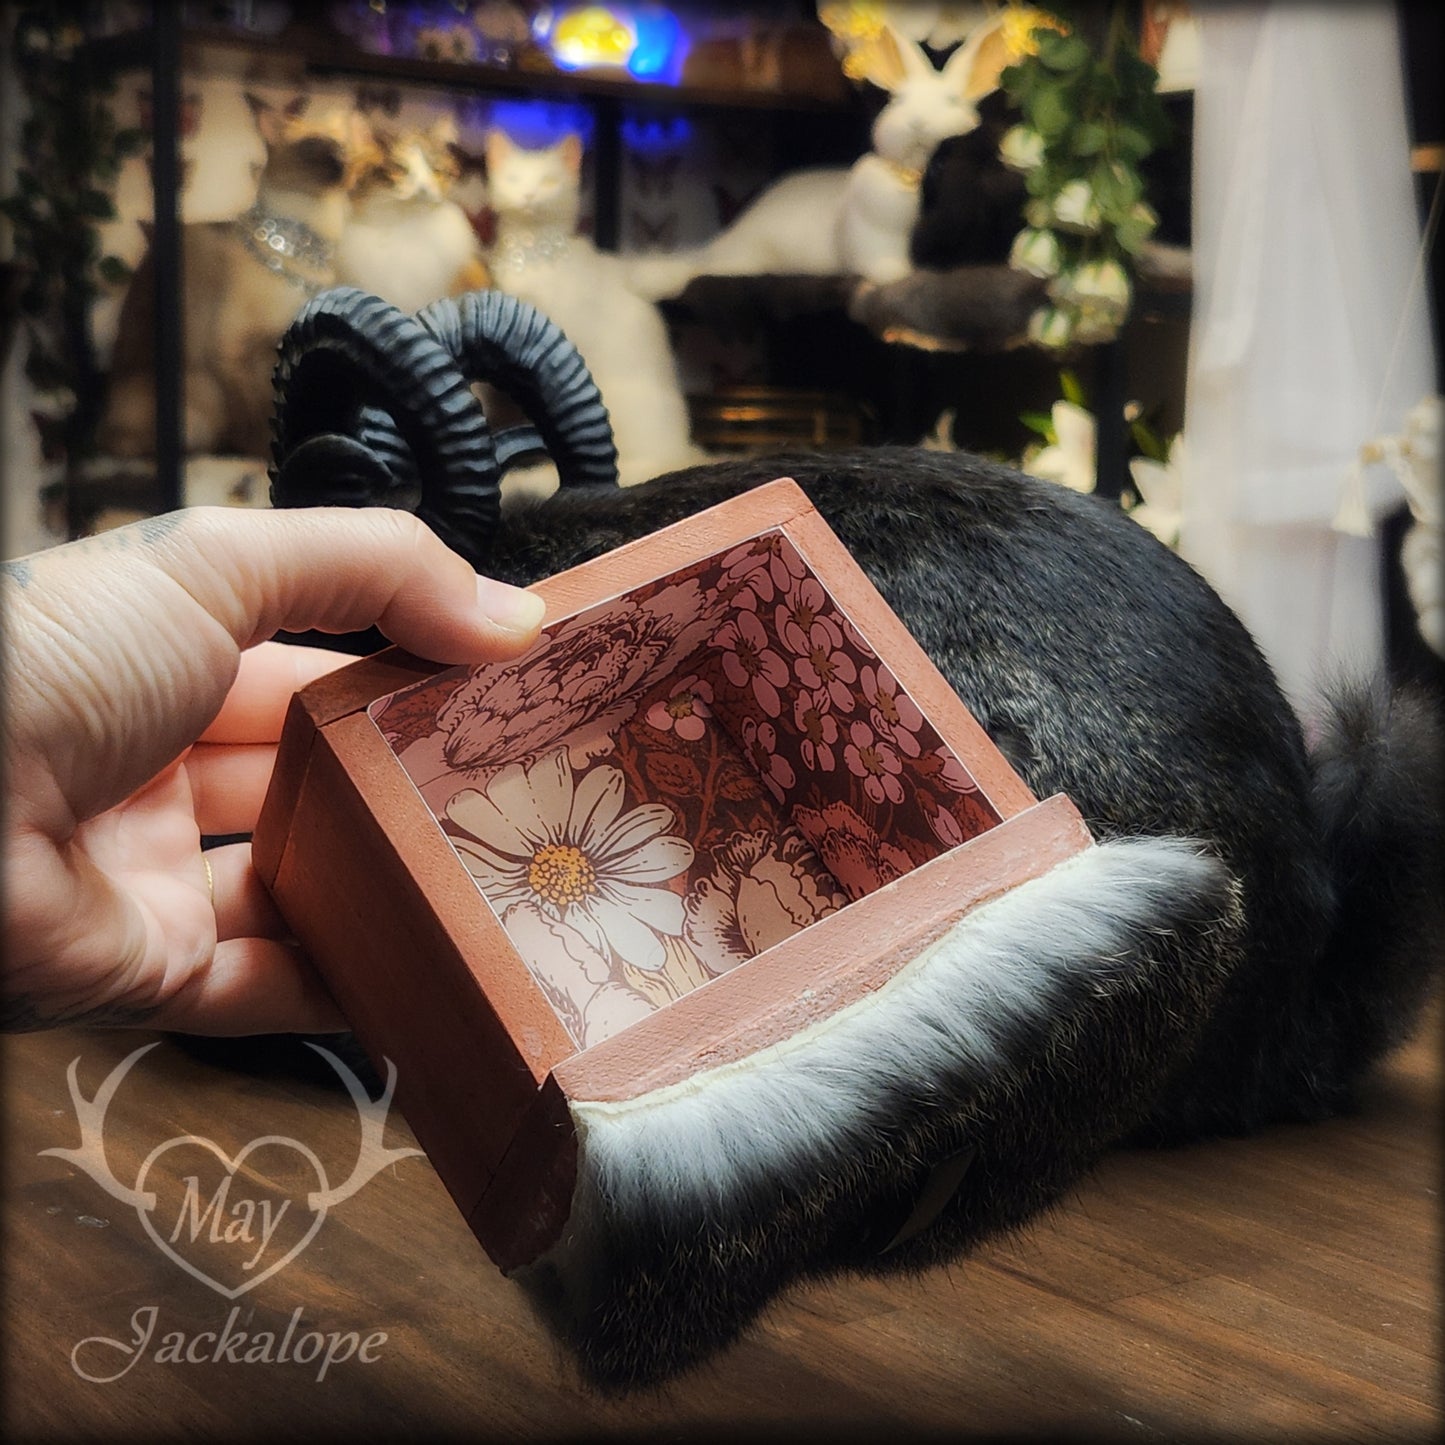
[{"x": 1284, "y": 1287}]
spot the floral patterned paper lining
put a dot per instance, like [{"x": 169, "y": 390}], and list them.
[{"x": 671, "y": 782}]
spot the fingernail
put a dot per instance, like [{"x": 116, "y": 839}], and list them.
[{"x": 513, "y": 609}]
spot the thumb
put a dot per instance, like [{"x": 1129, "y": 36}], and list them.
[{"x": 342, "y": 569}]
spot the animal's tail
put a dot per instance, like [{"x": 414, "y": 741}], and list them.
[
  {"x": 1377, "y": 793},
  {"x": 1346, "y": 941},
  {"x": 958, "y": 1099}
]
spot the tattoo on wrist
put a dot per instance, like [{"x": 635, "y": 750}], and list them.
[
  {"x": 20, "y": 1015},
  {"x": 20, "y": 569}
]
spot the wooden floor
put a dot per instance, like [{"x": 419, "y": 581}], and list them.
[{"x": 1283, "y": 1288}]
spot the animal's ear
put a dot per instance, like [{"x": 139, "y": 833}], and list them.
[
  {"x": 877, "y": 56},
  {"x": 269, "y": 121},
  {"x": 381, "y": 127},
  {"x": 912, "y": 57},
  {"x": 570, "y": 149},
  {"x": 442, "y": 132},
  {"x": 499, "y": 148},
  {"x": 363, "y": 151},
  {"x": 360, "y": 136},
  {"x": 978, "y": 63},
  {"x": 467, "y": 162}
]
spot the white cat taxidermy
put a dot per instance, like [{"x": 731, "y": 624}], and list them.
[
  {"x": 407, "y": 241},
  {"x": 538, "y": 256},
  {"x": 242, "y": 283},
  {"x": 855, "y": 221}
]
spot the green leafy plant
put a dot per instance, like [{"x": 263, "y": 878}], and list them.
[
  {"x": 1148, "y": 440},
  {"x": 1067, "y": 453},
  {"x": 71, "y": 152},
  {"x": 1042, "y": 422},
  {"x": 1090, "y": 113}
]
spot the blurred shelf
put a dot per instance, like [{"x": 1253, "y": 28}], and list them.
[{"x": 310, "y": 48}]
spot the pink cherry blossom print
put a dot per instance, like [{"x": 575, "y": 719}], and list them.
[
  {"x": 893, "y": 714},
  {"x": 951, "y": 799},
  {"x": 946, "y": 827},
  {"x": 803, "y": 621},
  {"x": 875, "y": 761},
  {"x": 767, "y": 565},
  {"x": 685, "y": 710},
  {"x": 747, "y": 576},
  {"x": 827, "y": 667},
  {"x": 855, "y": 640},
  {"x": 763, "y": 888},
  {"x": 787, "y": 566},
  {"x": 817, "y": 730},
  {"x": 760, "y": 745},
  {"x": 534, "y": 836},
  {"x": 850, "y": 849},
  {"x": 749, "y": 661},
  {"x": 952, "y": 773}
]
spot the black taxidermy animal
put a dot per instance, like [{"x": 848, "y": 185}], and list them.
[
  {"x": 982, "y": 307},
  {"x": 1275, "y": 940},
  {"x": 970, "y": 203}
]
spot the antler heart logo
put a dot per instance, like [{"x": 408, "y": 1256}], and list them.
[
  {"x": 232, "y": 1224},
  {"x": 227, "y": 1220}
]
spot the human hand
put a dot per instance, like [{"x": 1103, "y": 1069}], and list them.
[{"x": 142, "y": 709}]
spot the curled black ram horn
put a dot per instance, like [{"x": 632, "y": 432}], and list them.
[
  {"x": 396, "y": 413},
  {"x": 378, "y": 433},
  {"x": 509, "y": 344},
  {"x": 517, "y": 444},
  {"x": 332, "y": 470}
]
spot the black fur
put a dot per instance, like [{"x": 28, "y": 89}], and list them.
[
  {"x": 1105, "y": 668},
  {"x": 668, "y": 1288},
  {"x": 970, "y": 205},
  {"x": 980, "y": 308}
]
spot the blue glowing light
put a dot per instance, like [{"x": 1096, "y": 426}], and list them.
[
  {"x": 536, "y": 124},
  {"x": 646, "y": 39},
  {"x": 653, "y": 134},
  {"x": 661, "y": 46}
]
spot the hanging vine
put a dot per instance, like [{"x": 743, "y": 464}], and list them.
[
  {"x": 1090, "y": 115},
  {"x": 71, "y": 151}
]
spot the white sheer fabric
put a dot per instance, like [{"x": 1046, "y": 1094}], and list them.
[{"x": 1311, "y": 332}]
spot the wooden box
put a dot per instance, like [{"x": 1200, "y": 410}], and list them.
[{"x": 724, "y": 795}]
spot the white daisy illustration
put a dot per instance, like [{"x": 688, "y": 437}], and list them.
[{"x": 533, "y": 836}]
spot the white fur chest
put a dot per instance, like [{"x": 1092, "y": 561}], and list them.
[
  {"x": 876, "y": 223},
  {"x": 407, "y": 255}
]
